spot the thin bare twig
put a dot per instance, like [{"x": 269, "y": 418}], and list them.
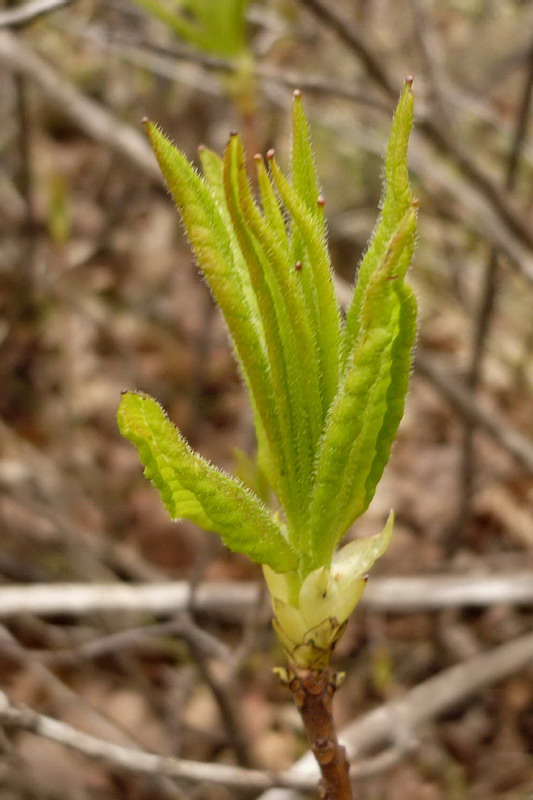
[
  {"x": 485, "y": 316},
  {"x": 440, "y": 139},
  {"x": 26, "y": 13},
  {"x": 98, "y": 122},
  {"x": 26, "y": 186},
  {"x": 433, "y": 63},
  {"x": 456, "y": 392},
  {"x": 97, "y": 719},
  {"x": 92, "y": 117},
  {"x": 138, "y": 761},
  {"x": 226, "y": 700},
  {"x": 347, "y": 34},
  {"x": 162, "y": 61},
  {"x": 222, "y": 689},
  {"x": 377, "y": 728},
  {"x": 133, "y": 638}
]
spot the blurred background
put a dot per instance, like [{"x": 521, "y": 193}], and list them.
[{"x": 99, "y": 292}]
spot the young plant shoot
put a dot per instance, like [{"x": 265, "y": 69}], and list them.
[{"x": 327, "y": 394}]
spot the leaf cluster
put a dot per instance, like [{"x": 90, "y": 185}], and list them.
[
  {"x": 327, "y": 394},
  {"x": 211, "y": 26}
]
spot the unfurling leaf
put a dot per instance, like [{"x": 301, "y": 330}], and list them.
[
  {"x": 190, "y": 487},
  {"x": 327, "y": 395},
  {"x": 310, "y": 619},
  {"x": 359, "y": 421}
]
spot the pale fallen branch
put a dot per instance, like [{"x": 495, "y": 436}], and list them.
[
  {"x": 228, "y": 600},
  {"x": 393, "y": 723},
  {"x": 139, "y": 761}
]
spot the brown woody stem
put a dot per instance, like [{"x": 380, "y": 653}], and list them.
[{"x": 313, "y": 692}]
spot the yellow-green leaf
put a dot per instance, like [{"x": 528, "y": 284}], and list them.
[
  {"x": 361, "y": 409},
  {"x": 192, "y": 488},
  {"x": 397, "y": 198}
]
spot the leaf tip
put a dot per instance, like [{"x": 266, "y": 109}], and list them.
[
  {"x": 297, "y": 94},
  {"x": 270, "y": 154},
  {"x": 409, "y": 81},
  {"x": 321, "y": 201}
]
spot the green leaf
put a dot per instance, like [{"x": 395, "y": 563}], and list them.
[
  {"x": 397, "y": 199},
  {"x": 322, "y": 307},
  {"x": 212, "y": 170},
  {"x": 304, "y": 176},
  {"x": 358, "y": 556},
  {"x": 272, "y": 211},
  {"x": 400, "y": 371},
  {"x": 208, "y": 227},
  {"x": 327, "y": 399},
  {"x": 361, "y": 423},
  {"x": 288, "y": 337},
  {"x": 192, "y": 488}
]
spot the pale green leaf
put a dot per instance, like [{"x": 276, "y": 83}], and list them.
[
  {"x": 212, "y": 167},
  {"x": 397, "y": 198},
  {"x": 272, "y": 211},
  {"x": 360, "y": 409},
  {"x": 304, "y": 175},
  {"x": 292, "y": 353},
  {"x": 358, "y": 556},
  {"x": 322, "y": 306},
  {"x": 400, "y": 370},
  {"x": 263, "y": 287},
  {"x": 208, "y": 227},
  {"x": 192, "y": 488},
  {"x": 212, "y": 171}
]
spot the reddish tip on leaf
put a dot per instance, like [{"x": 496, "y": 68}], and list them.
[
  {"x": 145, "y": 120},
  {"x": 297, "y": 93},
  {"x": 415, "y": 203},
  {"x": 271, "y": 153},
  {"x": 321, "y": 201},
  {"x": 124, "y": 391},
  {"x": 258, "y": 157},
  {"x": 409, "y": 80},
  {"x": 233, "y": 133},
  {"x": 200, "y": 148},
  {"x": 298, "y": 266}
]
